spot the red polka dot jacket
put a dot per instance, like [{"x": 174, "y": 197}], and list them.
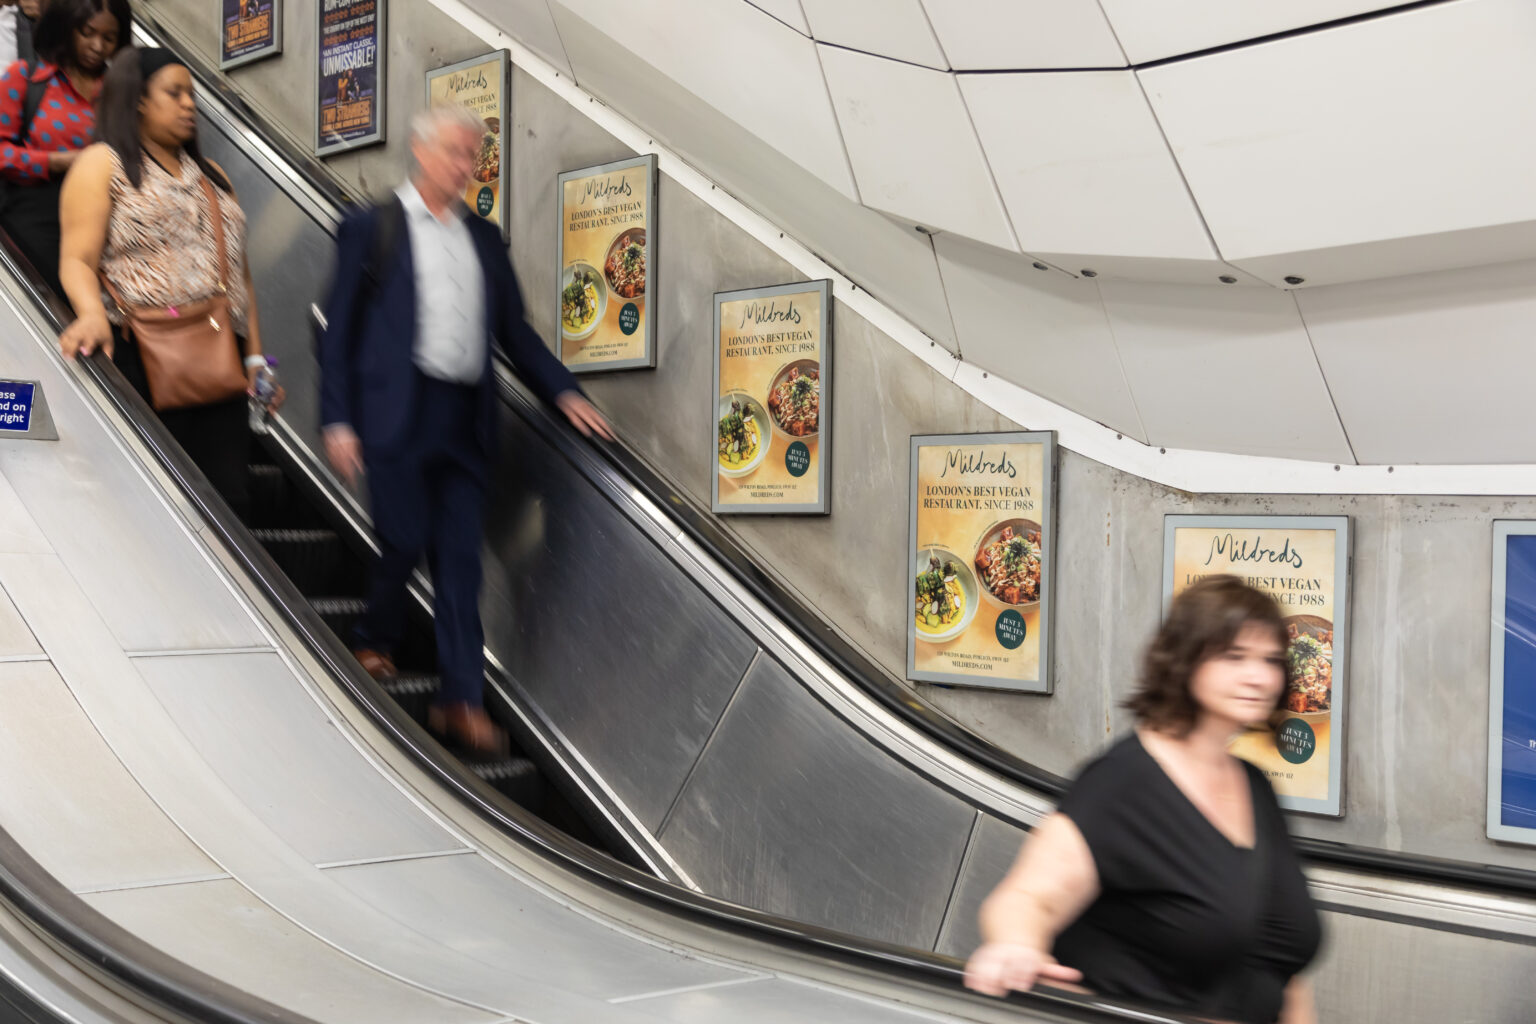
[{"x": 64, "y": 120}]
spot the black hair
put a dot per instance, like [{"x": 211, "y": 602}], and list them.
[
  {"x": 54, "y": 37},
  {"x": 117, "y": 119}
]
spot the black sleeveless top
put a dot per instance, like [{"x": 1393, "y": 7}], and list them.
[{"x": 1184, "y": 918}]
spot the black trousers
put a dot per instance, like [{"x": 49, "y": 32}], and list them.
[
  {"x": 217, "y": 437},
  {"x": 429, "y": 498},
  {"x": 31, "y": 217}
]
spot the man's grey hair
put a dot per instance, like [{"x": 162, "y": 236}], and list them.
[{"x": 427, "y": 126}]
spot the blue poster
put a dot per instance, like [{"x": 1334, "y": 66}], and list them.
[
  {"x": 252, "y": 30},
  {"x": 351, "y": 81},
  {"x": 1512, "y": 725}
]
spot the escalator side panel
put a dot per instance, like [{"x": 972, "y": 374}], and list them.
[{"x": 994, "y": 845}]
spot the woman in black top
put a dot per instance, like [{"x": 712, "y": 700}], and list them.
[{"x": 1166, "y": 874}]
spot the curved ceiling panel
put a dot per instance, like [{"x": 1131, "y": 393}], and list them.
[
  {"x": 890, "y": 28},
  {"x": 1154, "y": 29},
  {"x": 535, "y": 26},
  {"x": 787, "y": 11},
  {"x": 1083, "y": 167},
  {"x": 1022, "y": 35},
  {"x": 778, "y": 94},
  {"x": 1365, "y": 134},
  {"x": 913, "y": 150}
]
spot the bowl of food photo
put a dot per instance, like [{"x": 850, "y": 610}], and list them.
[
  {"x": 944, "y": 597},
  {"x": 1309, "y": 659},
  {"x": 794, "y": 399},
  {"x": 1007, "y": 564},
  {"x": 741, "y": 434},
  {"x": 488, "y": 161},
  {"x": 624, "y": 266},
  {"x": 583, "y": 298}
]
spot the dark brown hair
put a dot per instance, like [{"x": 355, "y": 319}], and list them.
[
  {"x": 1203, "y": 622},
  {"x": 54, "y": 37},
  {"x": 117, "y": 119}
]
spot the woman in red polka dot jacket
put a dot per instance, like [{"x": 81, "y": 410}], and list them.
[{"x": 74, "y": 39}]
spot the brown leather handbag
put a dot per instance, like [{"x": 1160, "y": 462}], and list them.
[{"x": 189, "y": 352}]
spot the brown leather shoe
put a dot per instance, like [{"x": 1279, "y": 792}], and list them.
[
  {"x": 467, "y": 725},
  {"x": 376, "y": 663}
]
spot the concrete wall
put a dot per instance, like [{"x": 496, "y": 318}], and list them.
[{"x": 1418, "y": 661}]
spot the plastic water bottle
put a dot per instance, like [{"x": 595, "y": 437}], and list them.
[{"x": 261, "y": 401}]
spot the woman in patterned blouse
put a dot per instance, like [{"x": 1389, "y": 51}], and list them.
[{"x": 74, "y": 40}]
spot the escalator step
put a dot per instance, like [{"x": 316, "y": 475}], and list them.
[
  {"x": 413, "y": 692},
  {"x": 340, "y": 613},
  {"x": 268, "y": 495},
  {"x": 516, "y": 777},
  {"x": 315, "y": 560}
]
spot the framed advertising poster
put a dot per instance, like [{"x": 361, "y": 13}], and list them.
[
  {"x": 1303, "y": 563},
  {"x": 1512, "y": 685},
  {"x": 253, "y": 29},
  {"x": 982, "y": 561},
  {"x": 607, "y": 249},
  {"x": 350, "y": 84},
  {"x": 484, "y": 86},
  {"x": 772, "y": 400}
]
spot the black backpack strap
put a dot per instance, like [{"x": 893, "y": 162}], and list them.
[
  {"x": 24, "y": 48},
  {"x": 29, "y": 106},
  {"x": 388, "y": 226}
]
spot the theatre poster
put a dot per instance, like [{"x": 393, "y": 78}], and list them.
[
  {"x": 252, "y": 30},
  {"x": 772, "y": 399},
  {"x": 1512, "y": 685},
  {"x": 483, "y": 86},
  {"x": 606, "y": 259},
  {"x": 980, "y": 566},
  {"x": 1303, "y": 563},
  {"x": 350, "y": 83}
]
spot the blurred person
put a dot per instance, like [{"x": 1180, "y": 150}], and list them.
[
  {"x": 48, "y": 115},
  {"x": 407, "y": 391},
  {"x": 18, "y": 19},
  {"x": 1166, "y": 874},
  {"x": 138, "y": 212}
]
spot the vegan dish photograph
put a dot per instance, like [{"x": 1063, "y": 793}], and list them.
[
  {"x": 795, "y": 398},
  {"x": 739, "y": 439},
  {"x": 1309, "y": 657},
  {"x": 1008, "y": 562},
  {"x": 582, "y": 299},
  {"x": 625, "y": 265}
]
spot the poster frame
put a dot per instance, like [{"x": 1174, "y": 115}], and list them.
[
  {"x": 648, "y": 360},
  {"x": 823, "y": 506},
  {"x": 381, "y": 83},
  {"x": 275, "y": 50},
  {"x": 1331, "y": 806},
  {"x": 1503, "y": 529},
  {"x": 1046, "y": 684},
  {"x": 503, "y": 115}
]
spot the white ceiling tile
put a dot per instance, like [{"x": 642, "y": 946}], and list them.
[
  {"x": 787, "y": 11},
  {"x": 531, "y": 22},
  {"x": 1154, "y": 29},
  {"x": 912, "y": 147},
  {"x": 1082, "y": 165},
  {"x": 1434, "y": 368},
  {"x": 1360, "y": 135},
  {"x": 890, "y": 28},
  {"x": 1041, "y": 330},
  {"x": 778, "y": 94},
  {"x": 982, "y": 35},
  {"x": 1223, "y": 369}
]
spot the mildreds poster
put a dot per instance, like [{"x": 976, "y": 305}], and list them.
[
  {"x": 1303, "y": 562},
  {"x": 606, "y": 247},
  {"x": 981, "y": 567},
  {"x": 253, "y": 29},
  {"x": 1512, "y": 685},
  {"x": 482, "y": 85},
  {"x": 350, "y": 85},
  {"x": 772, "y": 398}
]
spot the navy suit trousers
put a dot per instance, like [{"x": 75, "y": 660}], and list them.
[{"x": 429, "y": 498}]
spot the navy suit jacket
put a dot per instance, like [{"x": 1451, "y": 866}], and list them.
[{"x": 368, "y": 376}]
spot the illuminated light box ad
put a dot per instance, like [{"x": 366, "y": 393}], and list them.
[
  {"x": 350, "y": 84},
  {"x": 772, "y": 399},
  {"x": 252, "y": 30},
  {"x": 1512, "y": 685},
  {"x": 607, "y": 260},
  {"x": 982, "y": 560},
  {"x": 1303, "y": 563},
  {"x": 482, "y": 86}
]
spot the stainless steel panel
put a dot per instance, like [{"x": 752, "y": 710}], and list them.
[
  {"x": 19, "y": 534},
  {"x": 70, "y": 803},
  {"x": 15, "y": 638},
  {"x": 776, "y": 1002},
  {"x": 222, "y": 929},
  {"x": 625, "y": 655},
  {"x": 1373, "y": 970},
  {"x": 470, "y": 905},
  {"x": 793, "y": 812},
  {"x": 994, "y": 846},
  {"x": 265, "y": 737}
]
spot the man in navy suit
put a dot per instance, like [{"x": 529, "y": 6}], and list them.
[{"x": 408, "y": 393}]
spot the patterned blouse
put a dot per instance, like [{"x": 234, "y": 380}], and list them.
[
  {"x": 64, "y": 120},
  {"x": 159, "y": 248}
]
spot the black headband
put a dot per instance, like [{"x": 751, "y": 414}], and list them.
[{"x": 152, "y": 59}]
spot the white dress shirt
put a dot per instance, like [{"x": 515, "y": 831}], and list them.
[
  {"x": 8, "y": 16},
  {"x": 450, "y": 292}
]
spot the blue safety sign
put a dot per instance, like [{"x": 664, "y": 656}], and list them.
[{"x": 16, "y": 406}]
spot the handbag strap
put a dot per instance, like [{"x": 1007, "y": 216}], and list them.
[{"x": 217, "y": 217}]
